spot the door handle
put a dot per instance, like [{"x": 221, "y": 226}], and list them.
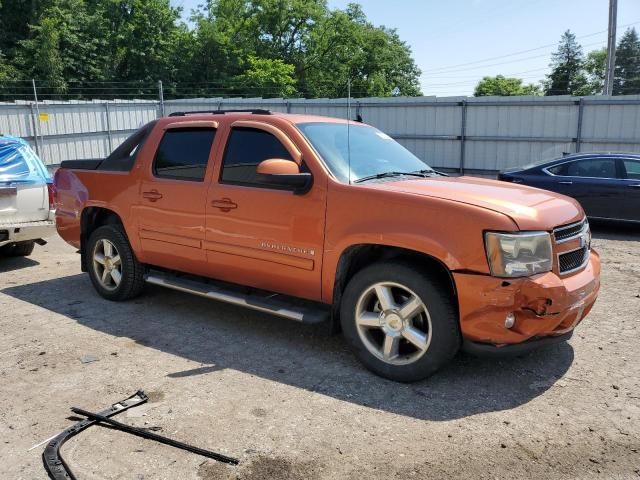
[
  {"x": 152, "y": 196},
  {"x": 224, "y": 204},
  {"x": 566, "y": 183},
  {"x": 635, "y": 186}
]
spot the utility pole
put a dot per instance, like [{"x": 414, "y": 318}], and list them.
[{"x": 611, "y": 48}]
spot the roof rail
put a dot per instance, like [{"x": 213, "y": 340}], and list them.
[{"x": 257, "y": 111}]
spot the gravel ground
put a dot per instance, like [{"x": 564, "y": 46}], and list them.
[{"x": 291, "y": 402}]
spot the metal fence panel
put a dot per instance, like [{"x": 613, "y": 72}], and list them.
[{"x": 483, "y": 134}]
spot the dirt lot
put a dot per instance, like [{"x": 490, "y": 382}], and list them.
[{"x": 291, "y": 402}]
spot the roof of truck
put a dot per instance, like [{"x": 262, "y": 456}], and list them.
[{"x": 256, "y": 114}]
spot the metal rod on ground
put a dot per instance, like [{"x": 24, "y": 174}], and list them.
[
  {"x": 158, "y": 438},
  {"x": 611, "y": 48}
]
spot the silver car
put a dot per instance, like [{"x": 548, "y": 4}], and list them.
[{"x": 26, "y": 198}]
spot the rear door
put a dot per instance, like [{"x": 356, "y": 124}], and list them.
[
  {"x": 173, "y": 192},
  {"x": 24, "y": 195},
  {"x": 630, "y": 208},
  {"x": 593, "y": 181}
]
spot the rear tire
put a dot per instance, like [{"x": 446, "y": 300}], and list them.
[
  {"x": 113, "y": 268},
  {"x": 19, "y": 249},
  {"x": 401, "y": 321}
]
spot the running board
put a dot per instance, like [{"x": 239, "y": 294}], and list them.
[{"x": 292, "y": 308}]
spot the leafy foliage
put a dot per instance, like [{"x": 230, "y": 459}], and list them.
[
  {"x": 276, "y": 47},
  {"x": 594, "y": 67},
  {"x": 567, "y": 76},
  {"x": 267, "y": 78},
  {"x": 504, "y": 86}
]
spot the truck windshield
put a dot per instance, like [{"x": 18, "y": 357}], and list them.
[{"x": 372, "y": 151}]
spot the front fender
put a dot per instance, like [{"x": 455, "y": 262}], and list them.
[{"x": 448, "y": 231}]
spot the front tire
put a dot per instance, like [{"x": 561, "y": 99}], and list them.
[
  {"x": 401, "y": 322},
  {"x": 113, "y": 268}
]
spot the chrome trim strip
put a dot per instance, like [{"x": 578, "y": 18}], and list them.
[
  {"x": 566, "y": 227},
  {"x": 546, "y": 169},
  {"x": 585, "y": 228}
]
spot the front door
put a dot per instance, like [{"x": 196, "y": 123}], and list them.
[
  {"x": 257, "y": 235},
  {"x": 173, "y": 192},
  {"x": 592, "y": 181}
]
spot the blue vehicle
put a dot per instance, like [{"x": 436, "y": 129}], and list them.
[{"x": 607, "y": 185}]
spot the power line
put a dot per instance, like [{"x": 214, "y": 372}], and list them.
[{"x": 522, "y": 51}]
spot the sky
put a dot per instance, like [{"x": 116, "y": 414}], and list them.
[{"x": 457, "y": 42}]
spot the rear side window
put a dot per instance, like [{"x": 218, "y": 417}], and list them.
[
  {"x": 183, "y": 153},
  {"x": 590, "y": 168},
  {"x": 124, "y": 157},
  {"x": 633, "y": 169},
  {"x": 246, "y": 148}
]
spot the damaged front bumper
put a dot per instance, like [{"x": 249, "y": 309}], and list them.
[{"x": 544, "y": 308}]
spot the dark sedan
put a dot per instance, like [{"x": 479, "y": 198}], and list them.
[{"x": 607, "y": 185}]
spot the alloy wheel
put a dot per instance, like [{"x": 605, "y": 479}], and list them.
[
  {"x": 393, "y": 323},
  {"x": 107, "y": 264}
]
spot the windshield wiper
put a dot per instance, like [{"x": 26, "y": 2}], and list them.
[
  {"x": 389, "y": 174},
  {"x": 430, "y": 171}
]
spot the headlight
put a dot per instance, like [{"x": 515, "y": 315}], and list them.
[{"x": 518, "y": 254}]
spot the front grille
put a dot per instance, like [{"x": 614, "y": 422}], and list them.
[
  {"x": 566, "y": 232},
  {"x": 572, "y": 260}
]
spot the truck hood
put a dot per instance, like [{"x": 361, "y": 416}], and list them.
[{"x": 530, "y": 208}]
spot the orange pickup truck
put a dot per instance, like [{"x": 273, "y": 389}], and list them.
[{"x": 319, "y": 219}]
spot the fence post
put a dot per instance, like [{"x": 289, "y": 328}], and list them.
[
  {"x": 161, "y": 97},
  {"x": 288, "y": 106},
  {"x": 35, "y": 129},
  {"x": 108, "y": 118},
  {"x": 463, "y": 131},
  {"x": 579, "y": 132},
  {"x": 358, "y": 109},
  {"x": 36, "y": 117}
]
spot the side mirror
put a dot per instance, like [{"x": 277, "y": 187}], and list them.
[{"x": 284, "y": 175}]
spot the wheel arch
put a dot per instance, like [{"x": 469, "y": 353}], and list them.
[
  {"x": 356, "y": 257},
  {"x": 90, "y": 219}
]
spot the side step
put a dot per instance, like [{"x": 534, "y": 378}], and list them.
[{"x": 276, "y": 304}]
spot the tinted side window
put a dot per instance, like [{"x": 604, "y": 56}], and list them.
[
  {"x": 592, "y": 167},
  {"x": 123, "y": 157},
  {"x": 183, "y": 153},
  {"x": 246, "y": 148},
  {"x": 633, "y": 169}
]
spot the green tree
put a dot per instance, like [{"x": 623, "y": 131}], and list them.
[
  {"x": 7, "y": 72},
  {"x": 594, "y": 67},
  {"x": 65, "y": 46},
  {"x": 267, "y": 78},
  {"x": 567, "y": 75},
  {"x": 326, "y": 47},
  {"x": 627, "y": 70},
  {"x": 344, "y": 45},
  {"x": 280, "y": 46},
  {"x": 142, "y": 36},
  {"x": 504, "y": 86},
  {"x": 15, "y": 18}
]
